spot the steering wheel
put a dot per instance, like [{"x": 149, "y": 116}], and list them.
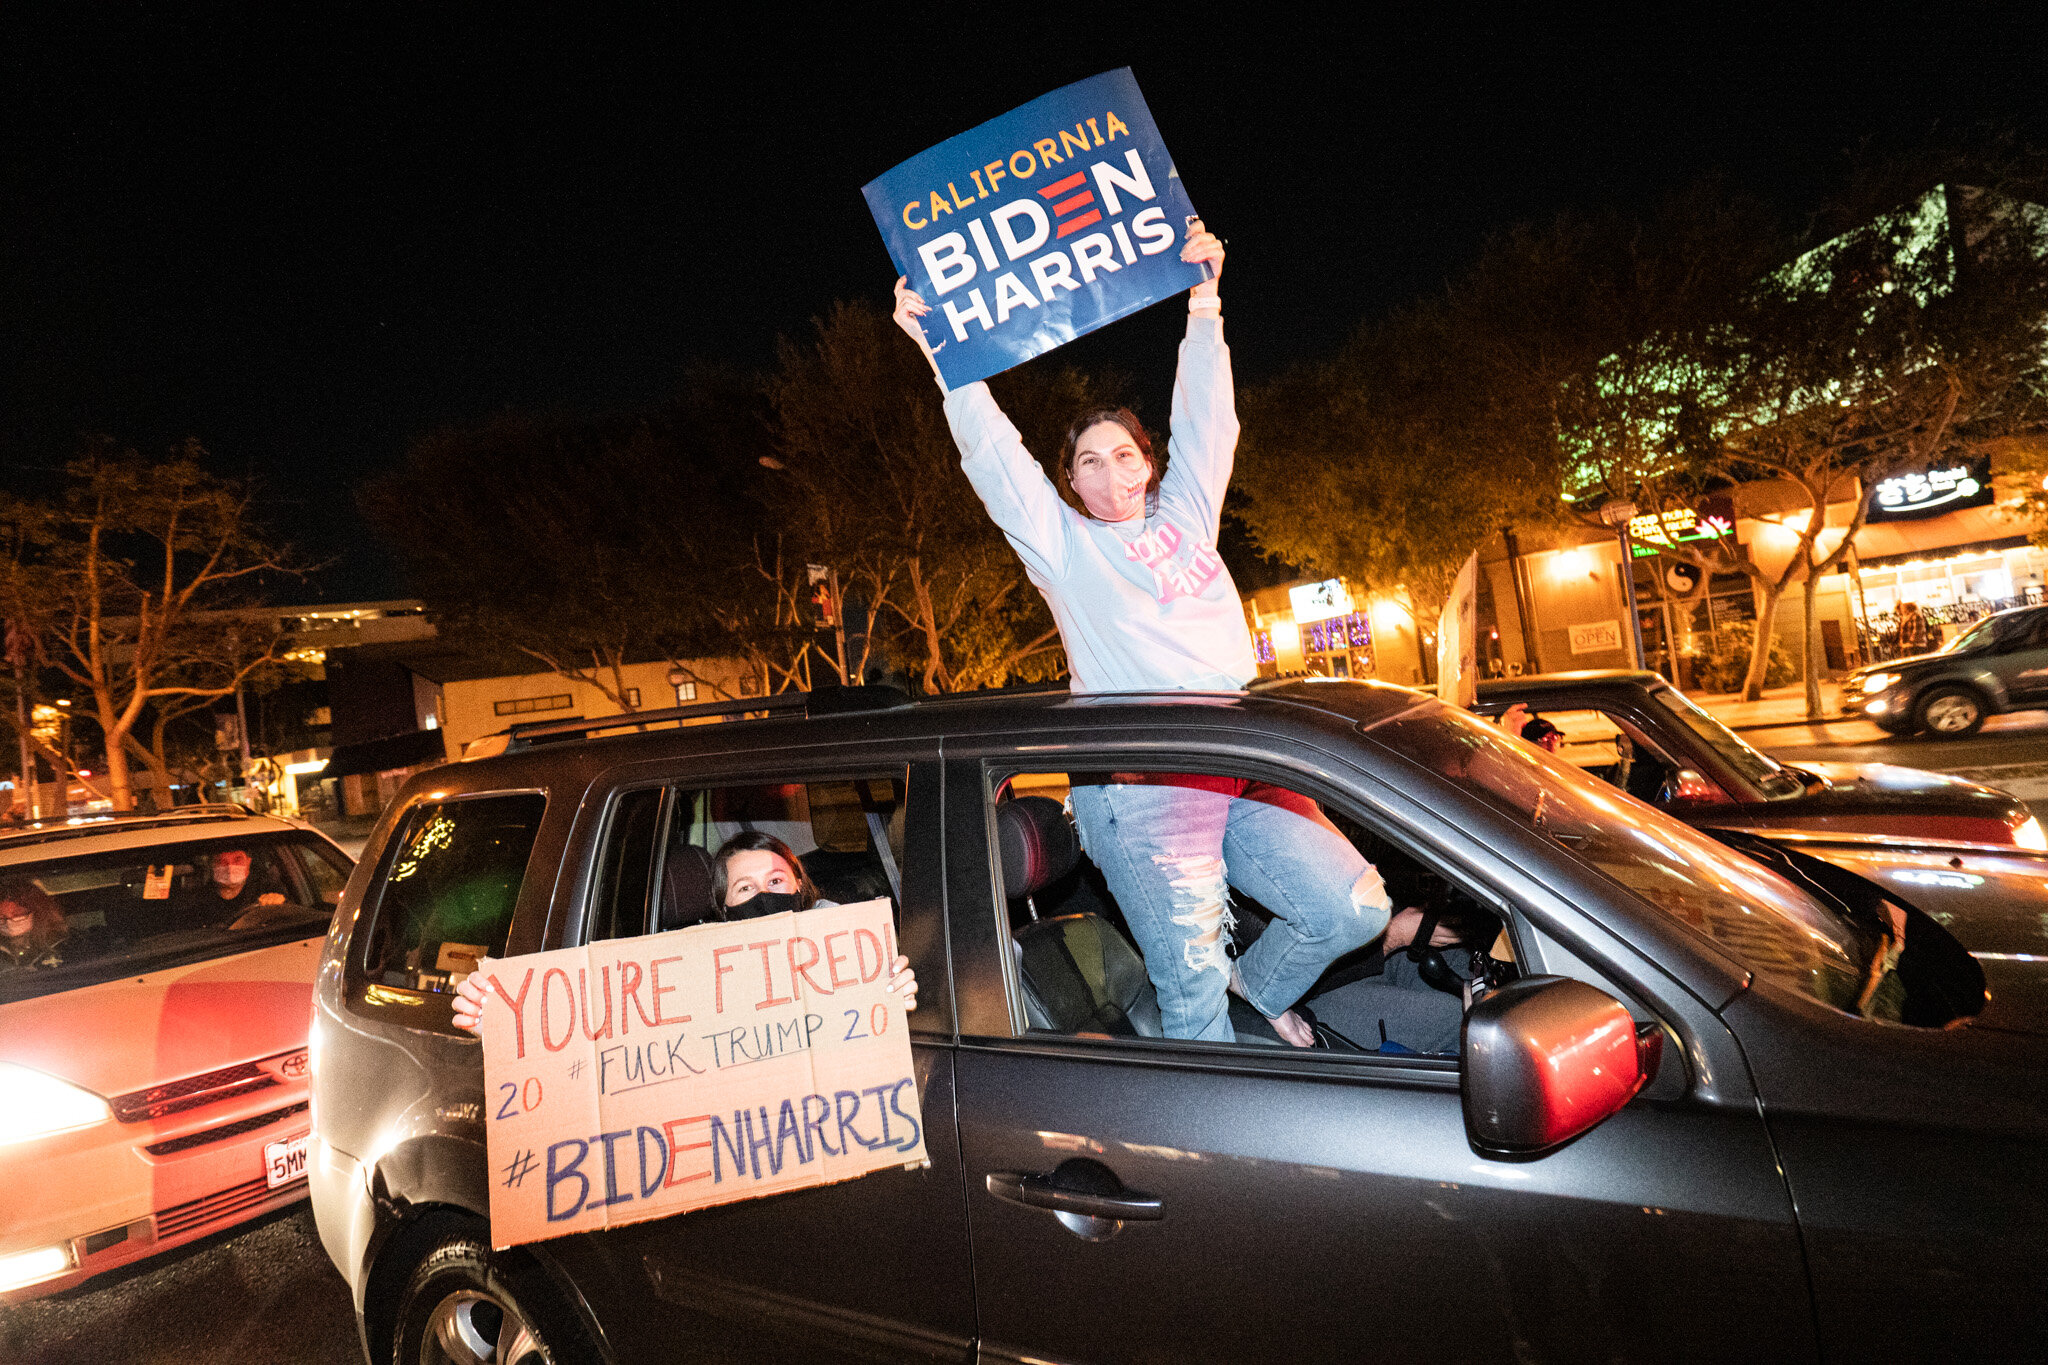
[
  {"x": 262, "y": 916},
  {"x": 1429, "y": 959}
]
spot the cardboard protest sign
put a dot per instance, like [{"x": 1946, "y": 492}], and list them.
[
  {"x": 1038, "y": 226},
  {"x": 637, "y": 1078}
]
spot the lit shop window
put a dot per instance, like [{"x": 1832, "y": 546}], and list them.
[{"x": 523, "y": 706}]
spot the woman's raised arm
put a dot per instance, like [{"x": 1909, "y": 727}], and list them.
[
  {"x": 1019, "y": 498},
  {"x": 1202, "y": 440},
  {"x": 910, "y": 306}
]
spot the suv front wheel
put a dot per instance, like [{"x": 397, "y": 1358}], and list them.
[
  {"x": 467, "y": 1305},
  {"x": 1951, "y": 712}
]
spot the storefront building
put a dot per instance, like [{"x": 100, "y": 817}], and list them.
[
  {"x": 1328, "y": 629},
  {"x": 1944, "y": 545},
  {"x": 1947, "y": 542}
]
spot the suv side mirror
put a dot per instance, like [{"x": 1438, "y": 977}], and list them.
[{"x": 1546, "y": 1058}]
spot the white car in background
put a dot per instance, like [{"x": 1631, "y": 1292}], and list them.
[{"x": 156, "y": 979}]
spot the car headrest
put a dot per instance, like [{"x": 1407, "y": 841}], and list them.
[
  {"x": 686, "y": 897},
  {"x": 1037, "y": 842}
]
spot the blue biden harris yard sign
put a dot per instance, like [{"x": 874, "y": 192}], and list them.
[{"x": 1038, "y": 226}]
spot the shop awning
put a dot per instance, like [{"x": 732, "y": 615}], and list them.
[
  {"x": 410, "y": 750},
  {"x": 1944, "y": 554}
]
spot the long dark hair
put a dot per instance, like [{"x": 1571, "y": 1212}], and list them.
[
  {"x": 1124, "y": 418},
  {"x": 48, "y": 925},
  {"x": 755, "y": 840}
]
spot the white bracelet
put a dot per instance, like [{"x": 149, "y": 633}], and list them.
[{"x": 1203, "y": 303}]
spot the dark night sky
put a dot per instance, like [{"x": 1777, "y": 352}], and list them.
[{"x": 308, "y": 240}]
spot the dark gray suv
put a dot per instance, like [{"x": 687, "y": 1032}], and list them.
[
  {"x": 1998, "y": 665},
  {"x": 1739, "y": 1099}
]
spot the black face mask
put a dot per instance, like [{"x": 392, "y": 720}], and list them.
[{"x": 765, "y": 903}]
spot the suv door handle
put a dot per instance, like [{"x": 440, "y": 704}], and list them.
[{"x": 1038, "y": 1192}]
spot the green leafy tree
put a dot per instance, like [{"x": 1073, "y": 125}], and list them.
[
  {"x": 1390, "y": 463},
  {"x": 1911, "y": 339},
  {"x": 1613, "y": 332},
  {"x": 1699, "y": 349}
]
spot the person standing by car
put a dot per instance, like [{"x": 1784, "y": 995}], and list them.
[
  {"x": 1912, "y": 630},
  {"x": 32, "y": 927},
  {"x": 1124, "y": 552}
]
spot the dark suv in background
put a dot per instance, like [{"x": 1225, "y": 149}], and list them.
[
  {"x": 1712, "y": 1100},
  {"x": 1640, "y": 733},
  {"x": 1998, "y": 665}
]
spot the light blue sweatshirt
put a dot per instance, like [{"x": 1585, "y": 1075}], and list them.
[{"x": 1140, "y": 606}]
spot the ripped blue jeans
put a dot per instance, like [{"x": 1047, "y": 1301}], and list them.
[{"x": 1168, "y": 846}]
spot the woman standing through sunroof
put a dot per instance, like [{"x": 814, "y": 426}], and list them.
[{"x": 1124, "y": 550}]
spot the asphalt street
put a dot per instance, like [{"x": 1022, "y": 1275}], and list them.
[{"x": 269, "y": 1293}]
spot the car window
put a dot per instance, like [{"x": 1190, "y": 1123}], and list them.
[
  {"x": 1774, "y": 927},
  {"x": 619, "y": 899},
  {"x": 1591, "y": 738},
  {"x": 847, "y": 834},
  {"x": 1976, "y": 637},
  {"x": 1770, "y": 777},
  {"x": 1099, "y": 945},
  {"x": 103, "y": 915},
  {"x": 1616, "y": 750},
  {"x": 325, "y": 868},
  {"x": 656, "y": 863},
  {"x": 448, "y": 894},
  {"x": 2018, "y": 632}
]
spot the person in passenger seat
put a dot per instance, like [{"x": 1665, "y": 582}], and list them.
[
  {"x": 32, "y": 927},
  {"x": 754, "y": 874},
  {"x": 1124, "y": 552}
]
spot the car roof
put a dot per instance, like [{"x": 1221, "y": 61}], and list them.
[
  {"x": 1309, "y": 703},
  {"x": 1546, "y": 682},
  {"x": 112, "y": 833}
]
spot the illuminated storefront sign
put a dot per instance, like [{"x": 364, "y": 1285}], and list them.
[
  {"x": 1964, "y": 484},
  {"x": 1712, "y": 519},
  {"x": 1596, "y": 637},
  {"x": 1338, "y": 634},
  {"x": 1320, "y": 601}
]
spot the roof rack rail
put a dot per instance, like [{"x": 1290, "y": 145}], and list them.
[
  {"x": 1029, "y": 689},
  {"x": 106, "y": 822},
  {"x": 821, "y": 701}
]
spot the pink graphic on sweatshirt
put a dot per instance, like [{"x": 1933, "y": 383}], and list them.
[{"x": 1181, "y": 565}]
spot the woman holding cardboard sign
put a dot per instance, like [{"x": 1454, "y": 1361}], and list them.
[
  {"x": 754, "y": 874},
  {"x": 1125, "y": 554}
]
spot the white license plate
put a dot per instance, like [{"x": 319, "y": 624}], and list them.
[{"x": 284, "y": 1162}]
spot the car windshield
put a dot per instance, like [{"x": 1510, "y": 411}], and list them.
[
  {"x": 2006, "y": 629},
  {"x": 1975, "y": 637},
  {"x": 1772, "y": 926},
  {"x": 1771, "y": 778},
  {"x": 97, "y": 916}
]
